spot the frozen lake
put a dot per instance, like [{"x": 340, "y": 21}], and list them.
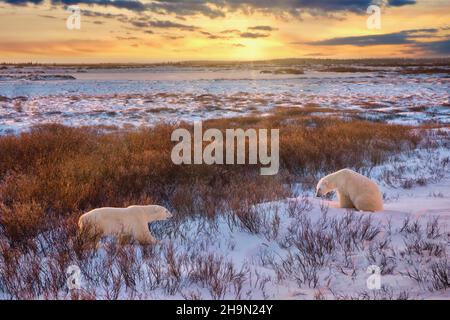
[{"x": 143, "y": 96}]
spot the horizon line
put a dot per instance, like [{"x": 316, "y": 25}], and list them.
[{"x": 223, "y": 61}]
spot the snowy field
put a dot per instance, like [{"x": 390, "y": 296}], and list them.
[
  {"x": 143, "y": 97},
  {"x": 301, "y": 248},
  {"x": 297, "y": 248}
]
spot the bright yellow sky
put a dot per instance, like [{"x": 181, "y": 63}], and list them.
[{"x": 38, "y": 33}]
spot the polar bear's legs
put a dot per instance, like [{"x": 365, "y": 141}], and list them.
[
  {"x": 147, "y": 240},
  {"x": 364, "y": 203},
  {"x": 344, "y": 201},
  {"x": 144, "y": 237}
]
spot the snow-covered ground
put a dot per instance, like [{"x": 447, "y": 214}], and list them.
[
  {"x": 297, "y": 248},
  {"x": 303, "y": 247},
  {"x": 143, "y": 97}
]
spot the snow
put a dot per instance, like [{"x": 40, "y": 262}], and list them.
[
  {"x": 144, "y": 97},
  {"x": 99, "y": 99},
  {"x": 343, "y": 275},
  {"x": 337, "y": 279}
]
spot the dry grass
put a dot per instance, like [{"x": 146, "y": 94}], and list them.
[
  {"x": 59, "y": 170},
  {"x": 313, "y": 245},
  {"x": 52, "y": 174}
]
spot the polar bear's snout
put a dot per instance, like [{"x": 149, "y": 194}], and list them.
[
  {"x": 319, "y": 192},
  {"x": 155, "y": 212},
  {"x": 169, "y": 214},
  {"x": 164, "y": 214},
  {"x": 324, "y": 187}
]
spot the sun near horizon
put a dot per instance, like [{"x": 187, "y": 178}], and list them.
[{"x": 158, "y": 31}]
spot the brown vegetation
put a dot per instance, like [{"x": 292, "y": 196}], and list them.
[
  {"x": 60, "y": 169},
  {"x": 52, "y": 174}
]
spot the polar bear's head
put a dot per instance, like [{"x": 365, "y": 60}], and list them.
[
  {"x": 158, "y": 212},
  {"x": 152, "y": 212},
  {"x": 324, "y": 186},
  {"x": 165, "y": 214}
]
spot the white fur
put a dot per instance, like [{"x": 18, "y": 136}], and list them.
[
  {"x": 353, "y": 189},
  {"x": 132, "y": 221}
]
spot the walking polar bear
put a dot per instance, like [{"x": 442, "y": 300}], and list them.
[
  {"x": 124, "y": 222},
  {"x": 353, "y": 190}
]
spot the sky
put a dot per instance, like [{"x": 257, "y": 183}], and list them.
[{"x": 142, "y": 31}]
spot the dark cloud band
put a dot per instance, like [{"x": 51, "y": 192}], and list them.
[
  {"x": 406, "y": 37},
  {"x": 402, "y": 37},
  {"x": 218, "y": 8}
]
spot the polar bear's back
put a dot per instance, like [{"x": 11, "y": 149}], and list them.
[
  {"x": 360, "y": 181},
  {"x": 107, "y": 220},
  {"x": 363, "y": 191}
]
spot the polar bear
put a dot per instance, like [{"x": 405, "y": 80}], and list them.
[
  {"x": 353, "y": 190},
  {"x": 125, "y": 222}
]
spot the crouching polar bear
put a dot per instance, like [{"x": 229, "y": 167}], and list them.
[
  {"x": 129, "y": 222},
  {"x": 353, "y": 190}
]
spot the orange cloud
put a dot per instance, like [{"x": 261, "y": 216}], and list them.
[
  {"x": 111, "y": 33},
  {"x": 57, "y": 48}
]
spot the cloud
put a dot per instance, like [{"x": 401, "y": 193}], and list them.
[
  {"x": 120, "y": 4},
  {"x": 173, "y": 37},
  {"x": 133, "y": 5},
  {"x": 212, "y": 36},
  {"x": 142, "y": 22},
  {"x": 406, "y": 37},
  {"x": 185, "y": 8},
  {"x": 316, "y": 6},
  {"x": 119, "y": 17},
  {"x": 22, "y": 2},
  {"x": 316, "y": 54},
  {"x": 399, "y": 3},
  {"x": 435, "y": 47},
  {"x": 231, "y": 31},
  {"x": 127, "y": 38},
  {"x": 60, "y": 48},
  {"x": 252, "y": 35},
  {"x": 370, "y": 40},
  {"x": 47, "y": 16},
  {"x": 164, "y": 24},
  {"x": 402, "y": 37},
  {"x": 417, "y": 31},
  {"x": 219, "y": 8},
  {"x": 263, "y": 28}
]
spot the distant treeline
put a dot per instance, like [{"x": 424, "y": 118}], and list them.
[{"x": 392, "y": 62}]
